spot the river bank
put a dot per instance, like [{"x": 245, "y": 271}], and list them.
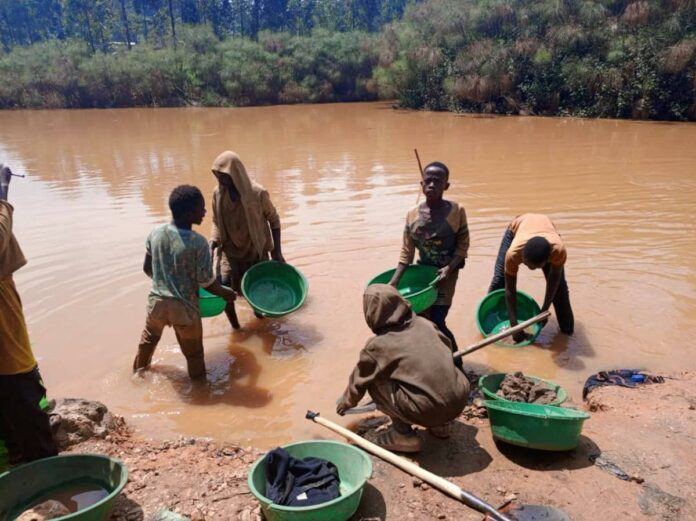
[{"x": 647, "y": 432}]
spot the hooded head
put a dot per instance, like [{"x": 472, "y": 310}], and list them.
[
  {"x": 385, "y": 308},
  {"x": 229, "y": 163}
]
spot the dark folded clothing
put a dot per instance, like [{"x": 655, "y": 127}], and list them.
[
  {"x": 620, "y": 377},
  {"x": 300, "y": 483}
]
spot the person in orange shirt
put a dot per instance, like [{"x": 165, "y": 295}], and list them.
[
  {"x": 531, "y": 239},
  {"x": 24, "y": 426}
]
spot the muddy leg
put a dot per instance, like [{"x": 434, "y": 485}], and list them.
[
  {"x": 148, "y": 342},
  {"x": 231, "y": 312},
  {"x": 190, "y": 340}
]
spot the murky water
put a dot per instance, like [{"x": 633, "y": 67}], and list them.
[{"x": 342, "y": 176}]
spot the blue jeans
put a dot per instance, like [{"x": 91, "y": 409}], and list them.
[{"x": 561, "y": 301}]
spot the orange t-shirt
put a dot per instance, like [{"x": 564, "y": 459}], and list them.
[{"x": 529, "y": 225}]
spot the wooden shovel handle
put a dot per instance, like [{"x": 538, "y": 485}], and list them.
[
  {"x": 434, "y": 480},
  {"x": 492, "y": 339}
]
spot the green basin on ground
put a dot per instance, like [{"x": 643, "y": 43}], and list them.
[
  {"x": 415, "y": 285},
  {"x": 274, "y": 289},
  {"x": 31, "y": 483},
  {"x": 209, "y": 304},
  {"x": 492, "y": 315},
  {"x": 542, "y": 427},
  {"x": 490, "y": 383},
  {"x": 354, "y": 468}
]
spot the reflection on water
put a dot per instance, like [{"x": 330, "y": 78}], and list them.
[{"x": 622, "y": 194}]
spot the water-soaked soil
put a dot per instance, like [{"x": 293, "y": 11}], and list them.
[
  {"x": 648, "y": 433},
  {"x": 517, "y": 387}
]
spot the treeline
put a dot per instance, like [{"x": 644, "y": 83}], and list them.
[
  {"x": 607, "y": 58},
  {"x": 108, "y": 24}
]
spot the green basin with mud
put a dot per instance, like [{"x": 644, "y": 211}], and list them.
[
  {"x": 541, "y": 427},
  {"x": 210, "y": 305},
  {"x": 274, "y": 289},
  {"x": 354, "y": 469},
  {"x": 492, "y": 316},
  {"x": 87, "y": 484},
  {"x": 490, "y": 383},
  {"x": 416, "y": 285}
]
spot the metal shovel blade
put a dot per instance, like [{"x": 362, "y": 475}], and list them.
[{"x": 536, "y": 513}]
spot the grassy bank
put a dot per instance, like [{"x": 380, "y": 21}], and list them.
[{"x": 605, "y": 58}]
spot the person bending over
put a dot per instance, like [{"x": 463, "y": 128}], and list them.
[
  {"x": 531, "y": 239},
  {"x": 407, "y": 370}
]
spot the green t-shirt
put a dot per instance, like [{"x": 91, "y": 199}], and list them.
[{"x": 180, "y": 264}]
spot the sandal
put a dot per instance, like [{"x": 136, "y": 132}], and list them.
[{"x": 397, "y": 442}]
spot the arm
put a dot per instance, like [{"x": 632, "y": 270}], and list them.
[
  {"x": 363, "y": 374},
  {"x": 277, "y": 253},
  {"x": 147, "y": 265},
  {"x": 221, "y": 291},
  {"x": 271, "y": 215},
  {"x": 408, "y": 252},
  {"x": 552, "y": 283},
  {"x": 214, "y": 230},
  {"x": 461, "y": 249}
]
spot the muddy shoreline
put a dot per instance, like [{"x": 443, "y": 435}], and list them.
[{"x": 647, "y": 433}]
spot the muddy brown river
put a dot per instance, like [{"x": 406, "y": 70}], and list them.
[{"x": 622, "y": 194}]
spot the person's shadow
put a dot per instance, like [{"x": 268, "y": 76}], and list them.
[{"x": 569, "y": 352}]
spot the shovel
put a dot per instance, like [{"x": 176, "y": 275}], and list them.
[
  {"x": 370, "y": 407},
  {"x": 519, "y": 513}
]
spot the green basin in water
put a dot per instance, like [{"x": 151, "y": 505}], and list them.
[
  {"x": 492, "y": 315},
  {"x": 415, "y": 285},
  {"x": 542, "y": 427},
  {"x": 209, "y": 304},
  {"x": 490, "y": 383},
  {"x": 274, "y": 289},
  {"x": 354, "y": 468},
  {"x": 62, "y": 477}
]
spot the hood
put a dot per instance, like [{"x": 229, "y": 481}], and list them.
[
  {"x": 385, "y": 308},
  {"x": 229, "y": 163}
]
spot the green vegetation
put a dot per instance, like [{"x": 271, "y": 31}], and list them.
[{"x": 608, "y": 58}]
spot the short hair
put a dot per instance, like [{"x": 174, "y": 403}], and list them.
[
  {"x": 537, "y": 250},
  {"x": 439, "y": 166},
  {"x": 184, "y": 198}
]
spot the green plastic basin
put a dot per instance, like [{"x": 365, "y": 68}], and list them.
[
  {"x": 209, "y": 304},
  {"x": 415, "y": 285},
  {"x": 274, "y": 289},
  {"x": 24, "y": 486},
  {"x": 354, "y": 468},
  {"x": 492, "y": 315},
  {"x": 490, "y": 383},
  {"x": 543, "y": 427}
]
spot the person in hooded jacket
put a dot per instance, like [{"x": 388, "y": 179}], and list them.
[
  {"x": 246, "y": 226},
  {"x": 407, "y": 369}
]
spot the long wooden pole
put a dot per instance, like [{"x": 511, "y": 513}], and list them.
[
  {"x": 420, "y": 169},
  {"x": 492, "y": 339},
  {"x": 436, "y": 481}
]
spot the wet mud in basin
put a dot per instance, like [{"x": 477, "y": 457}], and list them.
[{"x": 342, "y": 176}]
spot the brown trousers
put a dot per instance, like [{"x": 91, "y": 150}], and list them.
[{"x": 187, "y": 327}]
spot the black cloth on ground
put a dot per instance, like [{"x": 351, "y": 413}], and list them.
[
  {"x": 300, "y": 483},
  {"x": 620, "y": 377}
]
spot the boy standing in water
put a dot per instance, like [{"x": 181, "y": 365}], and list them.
[
  {"x": 439, "y": 230},
  {"x": 407, "y": 369},
  {"x": 23, "y": 425},
  {"x": 178, "y": 262},
  {"x": 246, "y": 226},
  {"x": 531, "y": 239}
]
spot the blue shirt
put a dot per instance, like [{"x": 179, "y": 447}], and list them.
[{"x": 180, "y": 264}]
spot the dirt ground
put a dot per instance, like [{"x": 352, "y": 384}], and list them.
[{"x": 647, "y": 435}]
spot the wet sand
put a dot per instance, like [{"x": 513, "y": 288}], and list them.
[{"x": 622, "y": 194}]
